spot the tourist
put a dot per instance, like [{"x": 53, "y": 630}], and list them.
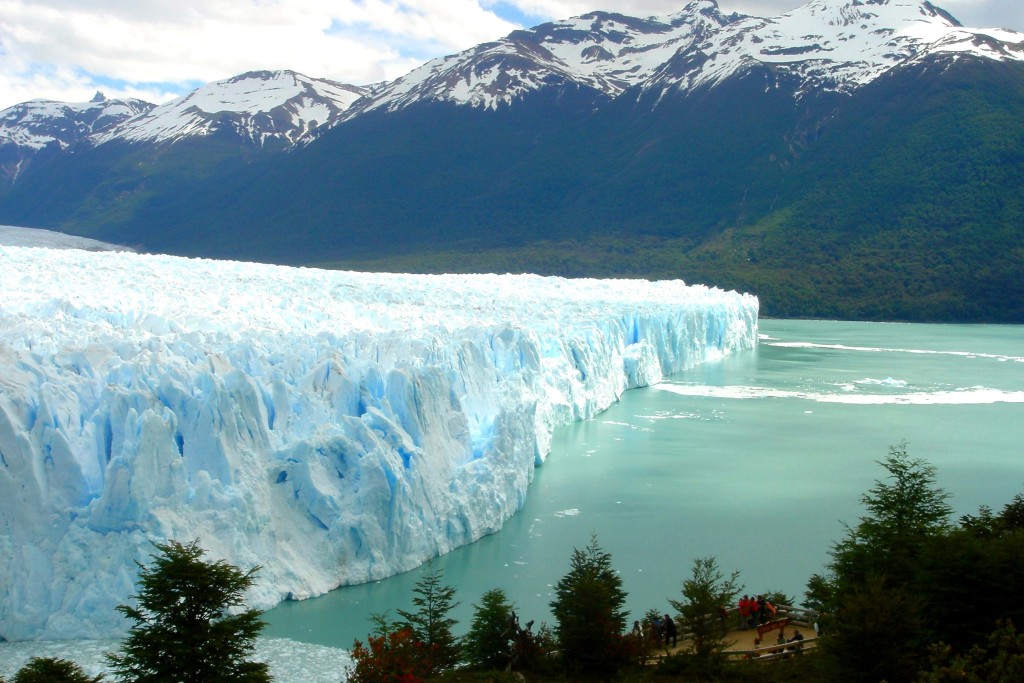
[
  {"x": 670, "y": 630},
  {"x": 744, "y": 608},
  {"x": 656, "y": 629},
  {"x": 796, "y": 642}
]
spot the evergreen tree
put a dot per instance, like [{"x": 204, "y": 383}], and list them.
[
  {"x": 49, "y": 670},
  {"x": 878, "y": 630},
  {"x": 488, "y": 645},
  {"x": 430, "y": 623},
  {"x": 182, "y": 631},
  {"x": 589, "y": 613},
  {"x": 878, "y": 633},
  {"x": 903, "y": 512},
  {"x": 707, "y": 593}
]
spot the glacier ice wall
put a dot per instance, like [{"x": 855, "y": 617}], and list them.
[{"x": 330, "y": 427}]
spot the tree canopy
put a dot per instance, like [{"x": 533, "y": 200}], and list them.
[
  {"x": 183, "y": 629},
  {"x": 430, "y": 623},
  {"x": 589, "y": 611},
  {"x": 705, "y": 594}
]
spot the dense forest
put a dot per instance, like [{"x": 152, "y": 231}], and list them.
[{"x": 903, "y": 203}]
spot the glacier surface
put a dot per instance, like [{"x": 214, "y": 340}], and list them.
[{"x": 331, "y": 427}]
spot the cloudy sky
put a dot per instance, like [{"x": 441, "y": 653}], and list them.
[{"x": 156, "y": 50}]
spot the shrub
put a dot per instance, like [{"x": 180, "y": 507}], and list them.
[
  {"x": 49, "y": 670},
  {"x": 395, "y": 657}
]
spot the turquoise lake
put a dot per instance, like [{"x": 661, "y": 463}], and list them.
[{"x": 757, "y": 460}]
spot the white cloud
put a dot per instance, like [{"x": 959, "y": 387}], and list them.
[
  {"x": 155, "y": 49},
  {"x": 64, "y": 50}
]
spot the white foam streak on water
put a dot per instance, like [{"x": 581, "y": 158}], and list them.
[
  {"x": 888, "y": 382},
  {"x": 965, "y": 396},
  {"x": 290, "y": 661},
  {"x": 876, "y": 349}
]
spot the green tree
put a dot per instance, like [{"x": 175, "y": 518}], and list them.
[
  {"x": 965, "y": 578},
  {"x": 49, "y": 670},
  {"x": 589, "y": 613},
  {"x": 488, "y": 645},
  {"x": 707, "y": 594},
  {"x": 182, "y": 630},
  {"x": 1000, "y": 660},
  {"x": 903, "y": 512},
  {"x": 878, "y": 634},
  {"x": 878, "y": 630},
  {"x": 430, "y": 623},
  {"x": 820, "y": 589}
]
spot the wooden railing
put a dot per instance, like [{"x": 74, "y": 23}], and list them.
[
  {"x": 786, "y": 616},
  {"x": 777, "y": 651},
  {"x": 797, "y": 616}
]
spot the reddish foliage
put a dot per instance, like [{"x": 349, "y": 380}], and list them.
[{"x": 393, "y": 658}]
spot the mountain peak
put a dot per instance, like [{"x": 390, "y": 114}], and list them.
[
  {"x": 260, "y": 107},
  {"x": 938, "y": 11},
  {"x": 602, "y": 51},
  {"x": 835, "y": 45}
]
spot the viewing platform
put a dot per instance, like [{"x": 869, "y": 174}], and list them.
[{"x": 760, "y": 643}]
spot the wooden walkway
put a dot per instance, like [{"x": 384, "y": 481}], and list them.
[{"x": 760, "y": 644}]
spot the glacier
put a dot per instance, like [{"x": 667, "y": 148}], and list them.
[{"x": 331, "y": 427}]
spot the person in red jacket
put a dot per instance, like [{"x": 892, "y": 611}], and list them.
[{"x": 744, "y": 606}]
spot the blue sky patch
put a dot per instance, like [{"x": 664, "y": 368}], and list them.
[{"x": 510, "y": 12}]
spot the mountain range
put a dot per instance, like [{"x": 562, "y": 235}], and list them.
[{"x": 852, "y": 159}]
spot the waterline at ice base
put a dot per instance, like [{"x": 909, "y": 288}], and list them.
[{"x": 330, "y": 427}]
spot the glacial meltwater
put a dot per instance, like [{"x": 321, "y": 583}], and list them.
[{"x": 757, "y": 460}]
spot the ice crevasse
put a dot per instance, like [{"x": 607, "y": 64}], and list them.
[{"x": 331, "y": 427}]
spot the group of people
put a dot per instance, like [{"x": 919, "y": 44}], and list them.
[
  {"x": 662, "y": 629},
  {"x": 754, "y": 611}
]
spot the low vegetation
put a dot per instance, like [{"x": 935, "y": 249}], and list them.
[{"x": 908, "y": 596}]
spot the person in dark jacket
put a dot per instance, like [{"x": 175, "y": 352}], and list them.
[{"x": 669, "y": 627}]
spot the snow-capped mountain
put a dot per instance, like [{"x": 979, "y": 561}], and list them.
[
  {"x": 260, "y": 107},
  {"x": 38, "y": 125},
  {"x": 605, "y": 52},
  {"x": 829, "y": 45},
  {"x": 826, "y": 44},
  {"x": 701, "y": 127}
]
